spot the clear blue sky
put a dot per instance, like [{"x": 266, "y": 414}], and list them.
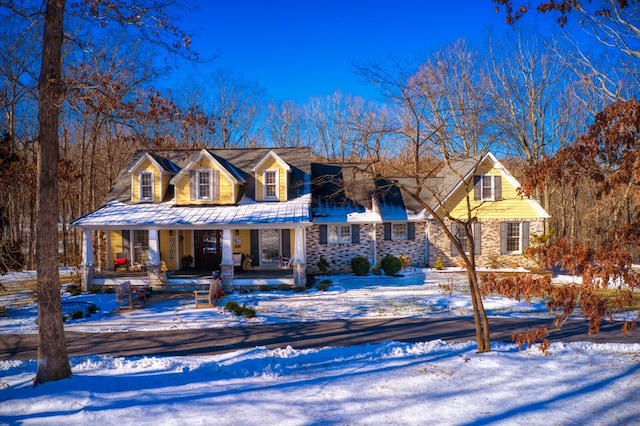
[{"x": 297, "y": 49}]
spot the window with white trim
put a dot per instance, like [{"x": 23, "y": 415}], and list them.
[
  {"x": 513, "y": 237},
  {"x": 488, "y": 188},
  {"x": 146, "y": 186},
  {"x": 398, "y": 231},
  {"x": 461, "y": 235},
  {"x": 204, "y": 183},
  {"x": 270, "y": 184},
  {"x": 339, "y": 234}
]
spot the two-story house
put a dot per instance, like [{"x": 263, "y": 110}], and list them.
[
  {"x": 215, "y": 208},
  {"x": 269, "y": 208}
]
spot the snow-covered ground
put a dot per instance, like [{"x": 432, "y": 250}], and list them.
[{"x": 393, "y": 383}]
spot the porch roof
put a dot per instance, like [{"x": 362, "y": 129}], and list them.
[{"x": 168, "y": 216}]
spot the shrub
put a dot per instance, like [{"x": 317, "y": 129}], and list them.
[
  {"x": 438, "y": 265},
  {"x": 109, "y": 290},
  {"x": 360, "y": 265},
  {"x": 74, "y": 290},
  {"x": 324, "y": 285},
  {"x": 391, "y": 265},
  {"x": 240, "y": 310},
  {"x": 92, "y": 309},
  {"x": 323, "y": 265},
  {"x": 76, "y": 315},
  {"x": 406, "y": 260},
  {"x": 95, "y": 289}
]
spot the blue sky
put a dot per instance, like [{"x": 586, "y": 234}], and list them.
[{"x": 298, "y": 49}]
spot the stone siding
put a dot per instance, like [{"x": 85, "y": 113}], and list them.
[
  {"x": 415, "y": 249},
  {"x": 339, "y": 255},
  {"x": 490, "y": 256}
]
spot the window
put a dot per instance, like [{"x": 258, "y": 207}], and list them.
[
  {"x": 339, "y": 234},
  {"x": 513, "y": 237},
  {"x": 271, "y": 184},
  {"x": 146, "y": 186},
  {"x": 461, "y": 235},
  {"x": 204, "y": 184},
  {"x": 399, "y": 231},
  {"x": 487, "y": 187},
  {"x": 141, "y": 246}
]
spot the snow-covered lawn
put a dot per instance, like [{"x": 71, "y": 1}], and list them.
[{"x": 389, "y": 383}]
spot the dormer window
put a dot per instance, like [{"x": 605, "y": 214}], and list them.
[
  {"x": 146, "y": 186},
  {"x": 207, "y": 184},
  {"x": 270, "y": 184},
  {"x": 488, "y": 187}
]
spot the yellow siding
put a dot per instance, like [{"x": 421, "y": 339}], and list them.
[
  {"x": 272, "y": 164},
  {"x": 512, "y": 205},
  {"x": 226, "y": 188},
  {"x": 158, "y": 180},
  {"x": 168, "y": 248}
]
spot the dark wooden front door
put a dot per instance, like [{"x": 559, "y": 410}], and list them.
[{"x": 208, "y": 249}]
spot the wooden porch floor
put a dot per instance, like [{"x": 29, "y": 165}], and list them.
[{"x": 186, "y": 280}]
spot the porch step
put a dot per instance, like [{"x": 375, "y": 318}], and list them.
[
  {"x": 262, "y": 281},
  {"x": 113, "y": 281}
]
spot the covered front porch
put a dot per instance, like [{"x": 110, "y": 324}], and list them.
[
  {"x": 195, "y": 279},
  {"x": 250, "y": 239}
]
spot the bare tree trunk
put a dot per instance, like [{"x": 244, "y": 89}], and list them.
[{"x": 53, "y": 359}]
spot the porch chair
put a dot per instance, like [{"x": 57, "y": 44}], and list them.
[
  {"x": 237, "y": 261},
  {"x": 209, "y": 298},
  {"x": 121, "y": 260},
  {"x": 286, "y": 262}
]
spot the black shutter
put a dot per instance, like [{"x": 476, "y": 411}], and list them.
[
  {"x": 477, "y": 238},
  {"x": 255, "y": 247},
  {"x": 497, "y": 187},
  {"x": 411, "y": 231},
  {"x": 454, "y": 231},
  {"x": 286, "y": 243},
  {"x": 355, "y": 234},
  {"x": 525, "y": 235},
  {"x": 192, "y": 185},
  {"x": 126, "y": 245},
  {"x": 477, "y": 187},
  {"x": 323, "y": 234},
  {"x": 387, "y": 231}
]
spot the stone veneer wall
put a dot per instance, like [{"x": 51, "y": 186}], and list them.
[
  {"x": 339, "y": 255},
  {"x": 490, "y": 257},
  {"x": 415, "y": 249}
]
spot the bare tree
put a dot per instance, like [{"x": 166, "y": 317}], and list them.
[
  {"x": 428, "y": 107},
  {"x": 53, "y": 361},
  {"x": 287, "y": 125}
]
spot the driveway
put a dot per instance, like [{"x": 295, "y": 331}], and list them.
[{"x": 300, "y": 335}]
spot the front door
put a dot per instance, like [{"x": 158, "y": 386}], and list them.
[
  {"x": 207, "y": 249},
  {"x": 270, "y": 248}
]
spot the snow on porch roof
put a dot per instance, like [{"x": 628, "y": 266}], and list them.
[{"x": 117, "y": 214}]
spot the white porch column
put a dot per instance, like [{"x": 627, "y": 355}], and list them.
[
  {"x": 154, "y": 266},
  {"x": 87, "y": 265},
  {"x": 299, "y": 257},
  {"x": 226, "y": 265}
]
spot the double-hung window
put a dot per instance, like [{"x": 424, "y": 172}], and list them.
[
  {"x": 398, "y": 231},
  {"x": 487, "y": 187},
  {"x": 339, "y": 234},
  {"x": 271, "y": 184},
  {"x": 146, "y": 186},
  {"x": 204, "y": 184},
  {"x": 514, "y": 237}
]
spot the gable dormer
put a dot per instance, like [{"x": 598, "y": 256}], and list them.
[
  {"x": 272, "y": 178},
  {"x": 206, "y": 179},
  {"x": 150, "y": 177}
]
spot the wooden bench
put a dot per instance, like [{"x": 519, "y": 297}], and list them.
[
  {"x": 209, "y": 298},
  {"x": 126, "y": 296}
]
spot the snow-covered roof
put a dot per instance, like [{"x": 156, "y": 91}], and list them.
[{"x": 117, "y": 215}]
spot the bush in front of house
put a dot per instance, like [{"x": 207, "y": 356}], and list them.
[
  {"x": 360, "y": 265},
  {"x": 323, "y": 265},
  {"x": 240, "y": 310},
  {"x": 74, "y": 290},
  {"x": 391, "y": 265},
  {"x": 324, "y": 285}
]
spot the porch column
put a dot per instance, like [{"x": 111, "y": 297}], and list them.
[
  {"x": 299, "y": 258},
  {"x": 226, "y": 265},
  {"x": 154, "y": 266},
  {"x": 87, "y": 267}
]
